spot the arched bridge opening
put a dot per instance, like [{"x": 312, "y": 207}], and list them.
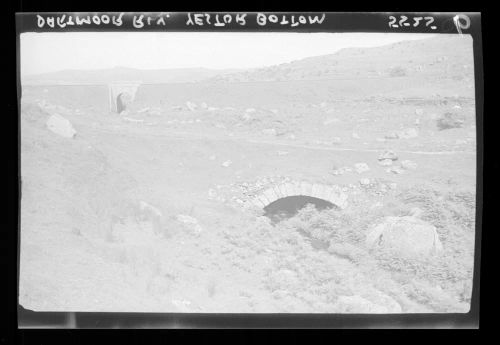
[
  {"x": 121, "y": 102},
  {"x": 121, "y": 95},
  {"x": 287, "y": 207}
]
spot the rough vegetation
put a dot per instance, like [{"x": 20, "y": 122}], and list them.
[{"x": 138, "y": 212}]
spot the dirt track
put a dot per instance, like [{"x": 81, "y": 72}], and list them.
[{"x": 86, "y": 245}]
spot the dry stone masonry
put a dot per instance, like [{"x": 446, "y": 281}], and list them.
[
  {"x": 263, "y": 192},
  {"x": 118, "y": 88}
]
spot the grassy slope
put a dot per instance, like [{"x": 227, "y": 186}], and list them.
[{"x": 239, "y": 262}]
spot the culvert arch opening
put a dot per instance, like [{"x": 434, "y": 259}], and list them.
[
  {"x": 122, "y": 101},
  {"x": 287, "y": 207}
]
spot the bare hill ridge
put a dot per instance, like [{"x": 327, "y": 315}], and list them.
[
  {"x": 104, "y": 76},
  {"x": 442, "y": 56}
]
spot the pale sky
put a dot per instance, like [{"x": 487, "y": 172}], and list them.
[{"x": 50, "y": 52}]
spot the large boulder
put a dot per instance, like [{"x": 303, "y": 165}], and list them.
[
  {"x": 191, "y": 223},
  {"x": 61, "y": 126},
  {"x": 388, "y": 155},
  {"x": 191, "y": 106},
  {"x": 361, "y": 167},
  {"x": 406, "y": 236}
]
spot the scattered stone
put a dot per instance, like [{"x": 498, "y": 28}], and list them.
[
  {"x": 393, "y": 185},
  {"x": 292, "y": 137},
  {"x": 385, "y": 162},
  {"x": 212, "y": 157},
  {"x": 450, "y": 120},
  {"x": 361, "y": 167},
  {"x": 61, "y": 126},
  {"x": 176, "y": 107},
  {"x": 408, "y": 165},
  {"x": 388, "y": 155},
  {"x": 392, "y": 135},
  {"x": 191, "y": 106},
  {"x": 419, "y": 112},
  {"x": 381, "y": 140},
  {"x": 212, "y": 194},
  {"x": 395, "y": 170},
  {"x": 147, "y": 208},
  {"x": 416, "y": 212},
  {"x": 246, "y": 117},
  {"x": 204, "y": 105},
  {"x": 417, "y": 122},
  {"x": 269, "y": 131},
  {"x": 341, "y": 171},
  {"x": 143, "y": 110},
  {"x": 227, "y": 163},
  {"x": 364, "y": 182},
  {"x": 191, "y": 222},
  {"x": 212, "y": 108},
  {"x": 250, "y": 110},
  {"x": 457, "y": 107},
  {"x": 409, "y": 133},
  {"x": 282, "y": 153},
  {"x": 274, "y": 111},
  {"x": 404, "y": 236},
  {"x": 183, "y": 305},
  {"x": 355, "y": 135}
]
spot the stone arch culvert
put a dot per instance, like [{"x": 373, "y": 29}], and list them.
[
  {"x": 279, "y": 197},
  {"x": 121, "y": 95}
]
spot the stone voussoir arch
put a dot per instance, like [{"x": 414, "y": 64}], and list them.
[
  {"x": 118, "y": 88},
  {"x": 331, "y": 193}
]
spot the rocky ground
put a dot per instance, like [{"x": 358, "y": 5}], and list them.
[{"x": 140, "y": 212}]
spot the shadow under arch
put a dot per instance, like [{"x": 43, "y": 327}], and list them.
[
  {"x": 289, "y": 206},
  {"x": 121, "y": 104}
]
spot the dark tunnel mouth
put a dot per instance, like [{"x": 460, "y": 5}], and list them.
[
  {"x": 287, "y": 207},
  {"x": 120, "y": 103}
]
